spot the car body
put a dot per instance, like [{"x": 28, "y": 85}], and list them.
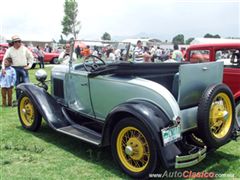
[
  {"x": 144, "y": 111},
  {"x": 51, "y": 57},
  {"x": 48, "y": 57},
  {"x": 3, "y": 48},
  {"x": 229, "y": 53}
]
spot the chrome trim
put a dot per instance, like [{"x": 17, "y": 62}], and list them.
[
  {"x": 190, "y": 160},
  {"x": 78, "y": 137}
]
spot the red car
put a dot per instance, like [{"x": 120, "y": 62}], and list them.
[
  {"x": 229, "y": 53},
  {"x": 3, "y": 48},
  {"x": 48, "y": 57}
]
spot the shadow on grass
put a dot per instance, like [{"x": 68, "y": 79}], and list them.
[
  {"x": 81, "y": 149},
  {"x": 217, "y": 162}
]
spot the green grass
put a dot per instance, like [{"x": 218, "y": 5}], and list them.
[{"x": 48, "y": 154}]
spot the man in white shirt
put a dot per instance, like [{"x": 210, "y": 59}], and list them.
[
  {"x": 64, "y": 56},
  {"x": 22, "y": 60}
]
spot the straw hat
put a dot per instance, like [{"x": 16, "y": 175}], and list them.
[{"x": 16, "y": 38}]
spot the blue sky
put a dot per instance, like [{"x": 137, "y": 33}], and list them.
[{"x": 41, "y": 20}]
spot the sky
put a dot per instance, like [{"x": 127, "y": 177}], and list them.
[{"x": 41, "y": 19}]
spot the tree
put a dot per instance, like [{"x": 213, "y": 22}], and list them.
[
  {"x": 208, "y": 35},
  {"x": 62, "y": 41},
  {"x": 178, "y": 39},
  {"x": 70, "y": 23},
  {"x": 106, "y": 36},
  {"x": 189, "y": 40}
]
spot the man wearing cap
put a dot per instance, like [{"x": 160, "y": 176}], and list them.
[{"x": 22, "y": 60}]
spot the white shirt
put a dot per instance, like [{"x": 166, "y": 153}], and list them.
[
  {"x": 64, "y": 58},
  {"x": 20, "y": 57}
]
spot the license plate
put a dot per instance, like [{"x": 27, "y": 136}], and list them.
[{"x": 171, "y": 134}]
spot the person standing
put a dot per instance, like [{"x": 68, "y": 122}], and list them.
[
  {"x": 177, "y": 54},
  {"x": 40, "y": 55},
  {"x": 7, "y": 81},
  {"x": 22, "y": 60},
  {"x": 138, "y": 53},
  {"x": 78, "y": 51}
]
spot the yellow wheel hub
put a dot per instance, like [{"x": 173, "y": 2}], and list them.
[
  {"x": 220, "y": 115},
  {"x": 133, "y": 149},
  {"x": 27, "y": 111}
]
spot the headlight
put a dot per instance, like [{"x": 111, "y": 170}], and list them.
[{"x": 41, "y": 75}]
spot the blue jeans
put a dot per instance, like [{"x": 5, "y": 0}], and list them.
[{"x": 22, "y": 77}]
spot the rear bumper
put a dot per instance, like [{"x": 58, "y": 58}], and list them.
[{"x": 191, "y": 159}]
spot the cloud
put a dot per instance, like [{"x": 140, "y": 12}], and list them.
[{"x": 41, "y": 20}]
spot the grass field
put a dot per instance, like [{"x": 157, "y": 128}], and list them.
[{"x": 48, "y": 154}]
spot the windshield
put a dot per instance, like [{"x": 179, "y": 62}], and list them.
[{"x": 108, "y": 51}]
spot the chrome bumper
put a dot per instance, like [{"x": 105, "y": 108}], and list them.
[{"x": 190, "y": 160}]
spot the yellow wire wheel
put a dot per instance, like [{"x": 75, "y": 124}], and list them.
[
  {"x": 133, "y": 149},
  {"x": 220, "y": 115},
  {"x": 27, "y": 111},
  {"x": 29, "y": 116},
  {"x": 216, "y": 116}
]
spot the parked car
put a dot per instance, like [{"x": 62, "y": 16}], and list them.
[
  {"x": 51, "y": 57},
  {"x": 229, "y": 53},
  {"x": 143, "y": 111},
  {"x": 3, "y": 48},
  {"x": 48, "y": 57}
]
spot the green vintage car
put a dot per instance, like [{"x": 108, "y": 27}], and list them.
[{"x": 152, "y": 115}]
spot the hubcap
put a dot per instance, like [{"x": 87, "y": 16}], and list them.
[
  {"x": 220, "y": 115},
  {"x": 133, "y": 149},
  {"x": 26, "y": 111}
]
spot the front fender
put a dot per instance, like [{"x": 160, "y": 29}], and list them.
[
  {"x": 152, "y": 117},
  {"x": 47, "y": 106}
]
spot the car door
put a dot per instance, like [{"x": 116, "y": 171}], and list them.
[{"x": 77, "y": 92}]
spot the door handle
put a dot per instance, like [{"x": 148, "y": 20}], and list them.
[{"x": 84, "y": 84}]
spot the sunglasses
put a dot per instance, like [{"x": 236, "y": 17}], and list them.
[{"x": 17, "y": 42}]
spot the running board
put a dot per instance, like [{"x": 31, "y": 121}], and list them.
[{"x": 82, "y": 133}]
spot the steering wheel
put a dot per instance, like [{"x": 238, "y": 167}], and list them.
[{"x": 94, "y": 65}]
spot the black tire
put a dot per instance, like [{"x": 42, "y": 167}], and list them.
[
  {"x": 217, "y": 101},
  {"x": 28, "y": 114},
  {"x": 237, "y": 109},
  {"x": 137, "y": 137},
  {"x": 55, "y": 61}
]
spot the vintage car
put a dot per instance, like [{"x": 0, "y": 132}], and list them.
[
  {"x": 227, "y": 51},
  {"x": 143, "y": 111}
]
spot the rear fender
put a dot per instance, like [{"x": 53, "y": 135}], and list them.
[
  {"x": 47, "y": 106},
  {"x": 152, "y": 117}
]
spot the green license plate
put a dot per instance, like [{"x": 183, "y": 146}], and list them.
[{"x": 171, "y": 134}]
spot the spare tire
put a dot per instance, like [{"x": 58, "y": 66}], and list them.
[{"x": 216, "y": 115}]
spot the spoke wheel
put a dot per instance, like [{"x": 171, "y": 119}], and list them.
[
  {"x": 220, "y": 115},
  {"x": 29, "y": 117},
  {"x": 133, "y": 148},
  {"x": 216, "y": 116}
]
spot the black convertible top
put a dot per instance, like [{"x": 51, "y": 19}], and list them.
[{"x": 136, "y": 69}]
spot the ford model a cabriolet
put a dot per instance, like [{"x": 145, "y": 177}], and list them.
[{"x": 144, "y": 111}]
